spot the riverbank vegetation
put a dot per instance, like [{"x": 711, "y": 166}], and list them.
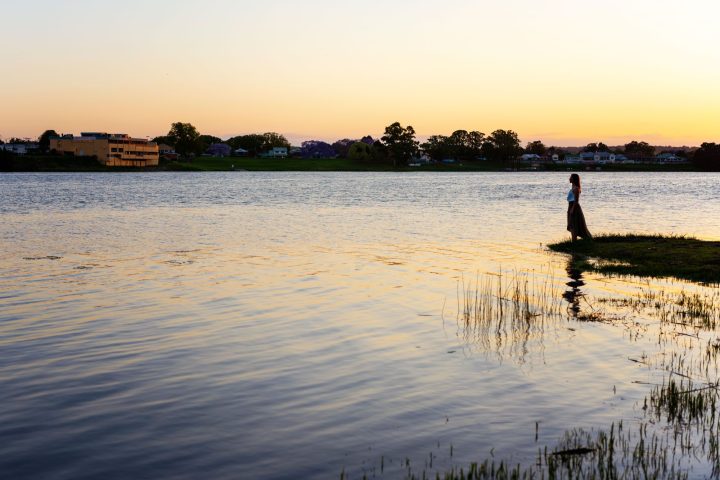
[
  {"x": 399, "y": 148},
  {"x": 647, "y": 256}
]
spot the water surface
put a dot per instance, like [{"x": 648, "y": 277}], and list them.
[{"x": 290, "y": 325}]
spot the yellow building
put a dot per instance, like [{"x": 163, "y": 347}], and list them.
[{"x": 110, "y": 149}]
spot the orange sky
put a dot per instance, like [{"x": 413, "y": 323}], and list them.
[{"x": 562, "y": 71}]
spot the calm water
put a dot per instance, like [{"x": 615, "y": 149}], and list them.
[{"x": 290, "y": 325}]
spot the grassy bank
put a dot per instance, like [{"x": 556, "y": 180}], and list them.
[
  {"x": 59, "y": 163},
  {"x": 647, "y": 255}
]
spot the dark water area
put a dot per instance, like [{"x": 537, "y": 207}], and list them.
[{"x": 292, "y": 325}]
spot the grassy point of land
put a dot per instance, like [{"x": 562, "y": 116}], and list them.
[{"x": 647, "y": 256}]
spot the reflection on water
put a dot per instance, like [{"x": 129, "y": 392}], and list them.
[
  {"x": 291, "y": 325},
  {"x": 574, "y": 294}
]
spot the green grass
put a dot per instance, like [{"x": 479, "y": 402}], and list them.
[
  {"x": 59, "y": 163},
  {"x": 316, "y": 165},
  {"x": 647, "y": 256}
]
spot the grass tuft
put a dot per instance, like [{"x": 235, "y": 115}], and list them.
[{"x": 682, "y": 257}]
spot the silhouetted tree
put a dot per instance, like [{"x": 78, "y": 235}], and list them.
[
  {"x": 317, "y": 149},
  {"x": 596, "y": 147},
  {"x": 44, "y": 139},
  {"x": 504, "y": 145},
  {"x": 185, "y": 138},
  {"x": 342, "y": 147},
  {"x": 205, "y": 141},
  {"x": 637, "y": 149},
  {"x": 253, "y": 143},
  {"x": 400, "y": 142},
  {"x": 272, "y": 140},
  {"x": 707, "y": 157},
  {"x": 436, "y": 146},
  {"x": 537, "y": 147},
  {"x": 360, "y": 152},
  {"x": 163, "y": 139}
]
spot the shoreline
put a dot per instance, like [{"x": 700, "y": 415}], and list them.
[{"x": 49, "y": 163}]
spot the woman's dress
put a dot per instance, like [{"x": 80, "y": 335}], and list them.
[{"x": 575, "y": 218}]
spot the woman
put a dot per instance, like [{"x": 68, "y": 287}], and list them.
[{"x": 575, "y": 218}]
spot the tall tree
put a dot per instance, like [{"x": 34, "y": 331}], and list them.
[
  {"x": 436, "y": 146},
  {"x": 596, "y": 147},
  {"x": 504, "y": 146},
  {"x": 272, "y": 140},
  {"x": 707, "y": 157},
  {"x": 342, "y": 147},
  {"x": 185, "y": 137},
  {"x": 317, "y": 149},
  {"x": 253, "y": 143},
  {"x": 205, "y": 141},
  {"x": 537, "y": 147},
  {"x": 44, "y": 139},
  {"x": 400, "y": 142},
  {"x": 637, "y": 149},
  {"x": 360, "y": 152}
]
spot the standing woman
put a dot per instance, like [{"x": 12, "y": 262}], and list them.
[{"x": 575, "y": 218}]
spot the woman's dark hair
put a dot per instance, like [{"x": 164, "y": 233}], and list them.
[{"x": 575, "y": 179}]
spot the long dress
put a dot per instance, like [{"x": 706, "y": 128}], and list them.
[{"x": 575, "y": 218}]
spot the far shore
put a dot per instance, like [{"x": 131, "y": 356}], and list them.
[{"x": 50, "y": 163}]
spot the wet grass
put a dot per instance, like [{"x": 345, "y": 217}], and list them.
[
  {"x": 504, "y": 312},
  {"x": 674, "y": 431},
  {"x": 647, "y": 256}
]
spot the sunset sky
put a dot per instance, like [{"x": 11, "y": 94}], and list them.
[{"x": 563, "y": 71}]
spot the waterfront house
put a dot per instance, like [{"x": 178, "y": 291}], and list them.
[
  {"x": 276, "y": 152},
  {"x": 110, "y": 149},
  {"x": 20, "y": 148},
  {"x": 669, "y": 158}
]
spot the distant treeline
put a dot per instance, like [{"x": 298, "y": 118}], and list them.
[{"x": 399, "y": 146}]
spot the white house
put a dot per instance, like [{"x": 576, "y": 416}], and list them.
[
  {"x": 19, "y": 148},
  {"x": 604, "y": 157},
  {"x": 669, "y": 158},
  {"x": 276, "y": 152}
]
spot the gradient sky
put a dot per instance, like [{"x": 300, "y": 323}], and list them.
[{"x": 563, "y": 71}]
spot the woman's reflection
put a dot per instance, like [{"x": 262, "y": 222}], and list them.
[{"x": 574, "y": 294}]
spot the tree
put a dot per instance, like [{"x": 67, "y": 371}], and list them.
[
  {"x": 707, "y": 157},
  {"x": 637, "y": 149},
  {"x": 596, "y": 147},
  {"x": 504, "y": 145},
  {"x": 185, "y": 137},
  {"x": 253, "y": 143},
  {"x": 316, "y": 149},
  {"x": 44, "y": 139},
  {"x": 272, "y": 140},
  {"x": 163, "y": 139},
  {"x": 536, "y": 147},
  {"x": 342, "y": 147},
  {"x": 436, "y": 146},
  {"x": 400, "y": 142},
  {"x": 205, "y": 141},
  {"x": 360, "y": 152}
]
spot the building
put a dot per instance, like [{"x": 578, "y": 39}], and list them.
[
  {"x": 670, "y": 158},
  {"x": 276, "y": 152},
  {"x": 110, "y": 149},
  {"x": 20, "y": 148}
]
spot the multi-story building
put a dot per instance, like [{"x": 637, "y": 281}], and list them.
[{"x": 110, "y": 149}]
